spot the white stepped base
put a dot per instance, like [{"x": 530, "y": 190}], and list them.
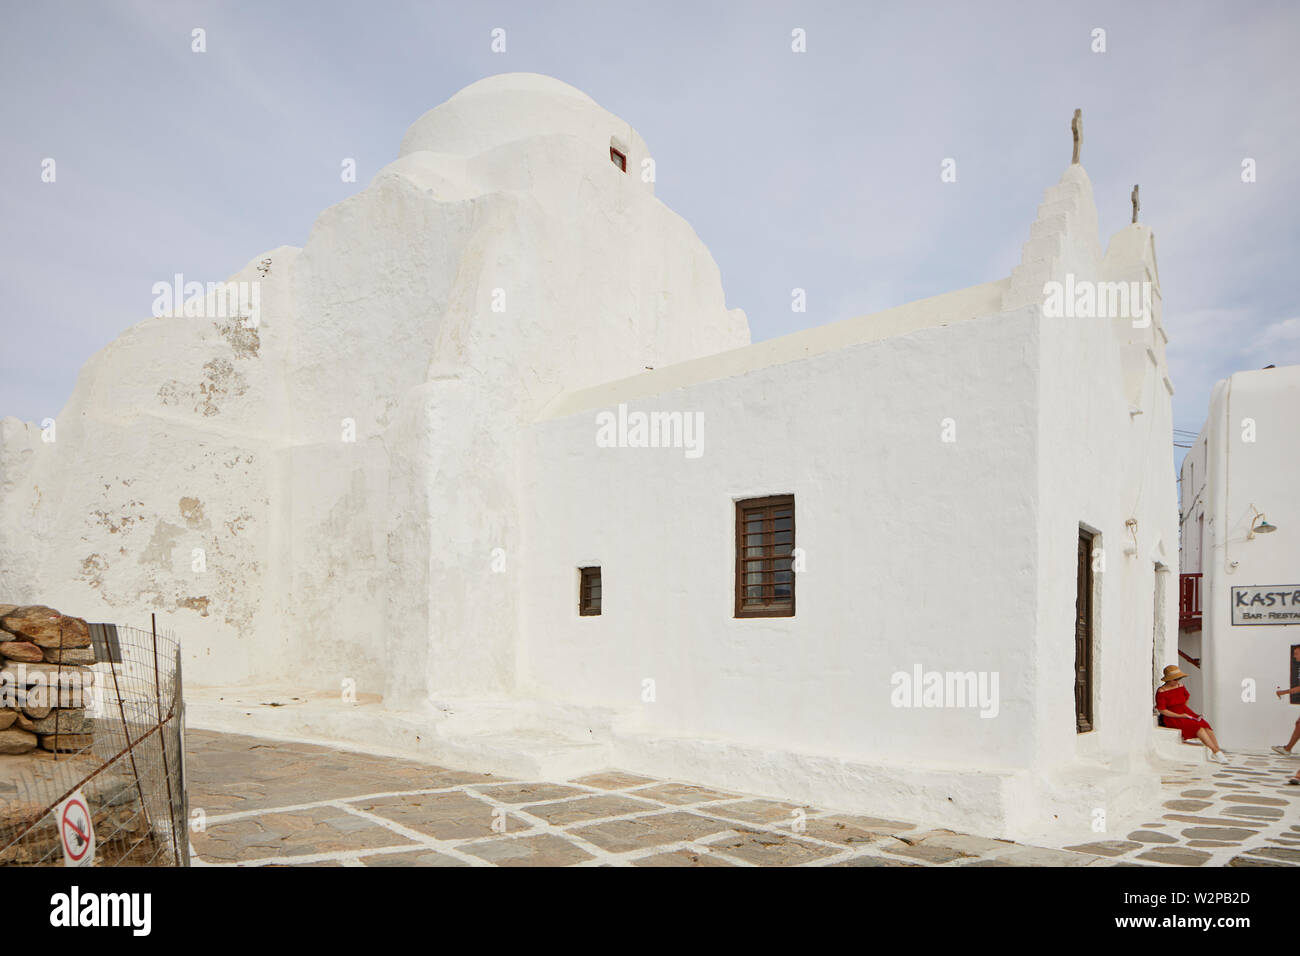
[
  {"x": 477, "y": 737},
  {"x": 1167, "y": 743},
  {"x": 1057, "y": 806}
]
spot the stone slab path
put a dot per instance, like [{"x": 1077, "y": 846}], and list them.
[
  {"x": 266, "y": 802},
  {"x": 1242, "y": 813}
]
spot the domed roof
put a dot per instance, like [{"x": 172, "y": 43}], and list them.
[
  {"x": 522, "y": 83},
  {"x": 505, "y": 108}
]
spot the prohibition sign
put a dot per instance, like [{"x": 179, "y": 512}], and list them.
[{"x": 76, "y": 830}]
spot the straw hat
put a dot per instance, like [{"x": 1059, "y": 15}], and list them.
[{"x": 1172, "y": 673}]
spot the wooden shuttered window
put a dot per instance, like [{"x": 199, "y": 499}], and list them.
[
  {"x": 764, "y": 542},
  {"x": 588, "y": 591}
]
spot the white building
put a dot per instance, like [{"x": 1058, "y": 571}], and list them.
[
  {"x": 397, "y": 479},
  {"x": 1239, "y": 611}
]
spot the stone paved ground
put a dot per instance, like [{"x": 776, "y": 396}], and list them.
[
  {"x": 1240, "y": 814},
  {"x": 268, "y": 802}
]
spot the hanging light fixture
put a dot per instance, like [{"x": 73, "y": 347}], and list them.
[{"x": 1259, "y": 524}]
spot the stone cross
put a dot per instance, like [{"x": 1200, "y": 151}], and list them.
[
  {"x": 1136, "y": 205},
  {"x": 1076, "y": 127}
]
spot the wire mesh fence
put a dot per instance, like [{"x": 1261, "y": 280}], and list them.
[{"x": 114, "y": 731}]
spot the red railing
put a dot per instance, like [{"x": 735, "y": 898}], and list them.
[{"x": 1189, "y": 602}]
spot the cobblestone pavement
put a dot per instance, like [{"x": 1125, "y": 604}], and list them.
[
  {"x": 268, "y": 802},
  {"x": 1242, "y": 813}
]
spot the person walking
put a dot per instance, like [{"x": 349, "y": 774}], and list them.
[{"x": 1285, "y": 749}]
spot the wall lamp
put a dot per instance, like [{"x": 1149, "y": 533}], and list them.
[
  {"x": 1259, "y": 524},
  {"x": 1132, "y": 526}
]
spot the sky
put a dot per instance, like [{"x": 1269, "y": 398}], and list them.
[{"x": 817, "y": 170}]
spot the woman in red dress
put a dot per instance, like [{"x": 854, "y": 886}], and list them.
[{"x": 1171, "y": 704}]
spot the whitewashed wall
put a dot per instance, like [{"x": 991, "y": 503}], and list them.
[
  {"x": 904, "y": 545},
  {"x": 366, "y": 559},
  {"x": 1194, "y": 537},
  {"x": 1106, "y": 459},
  {"x": 955, "y": 556},
  {"x": 168, "y": 445},
  {"x": 376, "y": 559},
  {"x": 1191, "y": 504},
  {"x": 1243, "y": 473}
]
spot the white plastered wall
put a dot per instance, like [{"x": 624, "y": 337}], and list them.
[
  {"x": 499, "y": 260},
  {"x": 1237, "y": 659}
]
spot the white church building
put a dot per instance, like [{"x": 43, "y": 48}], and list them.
[
  {"x": 493, "y": 475},
  {"x": 1239, "y": 597}
]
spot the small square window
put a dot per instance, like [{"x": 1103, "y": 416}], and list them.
[
  {"x": 618, "y": 159},
  {"x": 588, "y": 591}
]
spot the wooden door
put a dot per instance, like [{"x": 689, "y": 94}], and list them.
[{"x": 1083, "y": 636}]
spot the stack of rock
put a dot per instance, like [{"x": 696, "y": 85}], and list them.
[{"x": 45, "y": 682}]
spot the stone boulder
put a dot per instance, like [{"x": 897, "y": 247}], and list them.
[
  {"x": 65, "y": 743},
  {"x": 13, "y": 741},
  {"x": 17, "y": 650},
  {"x": 37, "y": 708},
  {"x": 63, "y": 722},
  {"x": 46, "y": 627},
  {"x": 69, "y": 655}
]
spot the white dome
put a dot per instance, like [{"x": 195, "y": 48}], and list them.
[
  {"x": 535, "y": 83},
  {"x": 510, "y": 107}
]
